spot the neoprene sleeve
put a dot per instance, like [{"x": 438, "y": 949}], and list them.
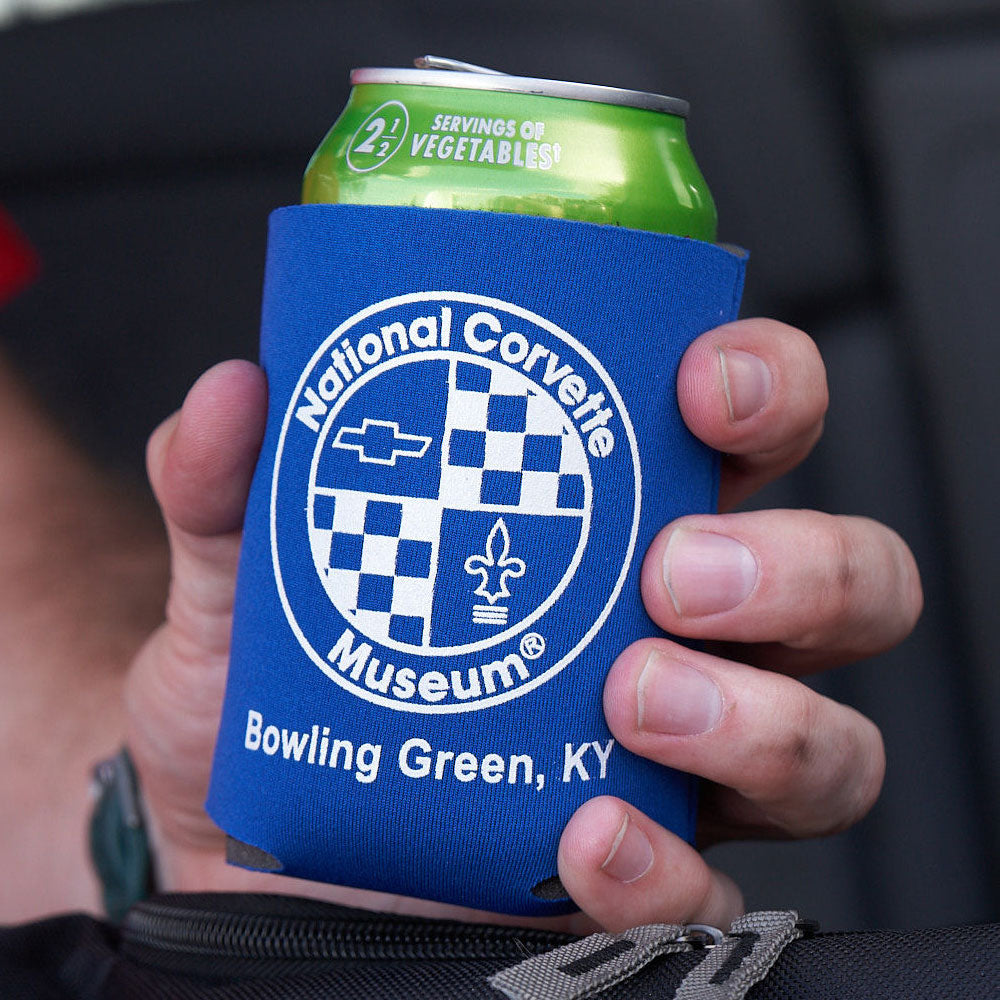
[{"x": 472, "y": 437}]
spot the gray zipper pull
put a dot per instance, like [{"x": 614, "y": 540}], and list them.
[
  {"x": 733, "y": 962},
  {"x": 589, "y": 966},
  {"x": 743, "y": 958}
]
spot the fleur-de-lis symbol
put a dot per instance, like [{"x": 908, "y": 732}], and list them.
[{"x": 496, "y": 557}]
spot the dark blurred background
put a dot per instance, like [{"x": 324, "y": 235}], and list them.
[{"x": 854, "y": 147}]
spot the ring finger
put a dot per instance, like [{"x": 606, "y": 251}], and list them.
[{"x": 790, "y": 761}]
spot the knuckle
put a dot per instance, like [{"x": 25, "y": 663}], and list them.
[
  {"x": 810, "y": 396},
  {"x": 787, "y": 754},
  {"x": 844, "y": 573},
  {"x": 866, "y": 589},
  {"x": 823, "y": 770},
  {"x": 882, "y": 597},
  {"x": 801, "y": 386},
  {"x": 851, "y": 785},
  {"x": 836, "y": 570},
  {"x": 861, "y": 773},
  {"x": 908, "y": 584}
]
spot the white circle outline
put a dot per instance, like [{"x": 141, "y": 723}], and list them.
[
  {"x": 542, "y": 678},
  {"x": 564, "y": 581},
  {"x": 399, "y": 145}
]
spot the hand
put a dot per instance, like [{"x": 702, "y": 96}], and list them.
[
  {"x": 789, "y": 591},
  {"x": 808, "y": 591}
]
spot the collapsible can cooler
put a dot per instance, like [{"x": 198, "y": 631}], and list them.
[{"x": 472, "y": 437}]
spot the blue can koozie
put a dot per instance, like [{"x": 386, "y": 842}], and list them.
[{"x": 472, "y": 437}]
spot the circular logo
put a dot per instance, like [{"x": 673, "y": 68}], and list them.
[
  {"x": 379, "y": 137},
  {"x": 454, "y": 503}
]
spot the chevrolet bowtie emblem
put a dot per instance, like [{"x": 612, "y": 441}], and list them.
[{"x": 380, "y": 441}]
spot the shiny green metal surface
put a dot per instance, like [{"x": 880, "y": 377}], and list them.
[{"x": 449, "y": 147}]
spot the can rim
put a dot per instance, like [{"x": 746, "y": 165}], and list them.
[{"x": 522, "y": 85}]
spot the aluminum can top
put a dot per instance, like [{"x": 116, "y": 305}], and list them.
[
  {"x": 438, "y": 71},
  {"x": 452, "y": 135}
]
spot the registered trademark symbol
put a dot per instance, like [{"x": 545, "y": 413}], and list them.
[{"x": 532, "y": 646}]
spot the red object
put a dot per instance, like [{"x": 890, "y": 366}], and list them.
[{"x": 18, "y": 261}]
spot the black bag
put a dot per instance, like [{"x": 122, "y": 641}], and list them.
[{"x": 257, "y": 947}]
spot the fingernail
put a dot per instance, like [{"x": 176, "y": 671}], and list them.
[
  {"x": 631, "y": 854},
  {"x": 675, "y": 698},
  {"x": 747, "y": 383},
  {"x": 706, "y": 573}
]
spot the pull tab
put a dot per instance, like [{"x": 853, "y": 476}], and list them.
[
  {"x": 589, "y": 966},
  {"x": 743, "y": 958},
  {"x": 733, "y": 963},
  {"x": 455, "y": 65}
]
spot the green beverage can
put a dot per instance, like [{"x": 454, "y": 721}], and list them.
[
  {"x": 471, "y": 330},
  {"x": 453, "y": 135}
]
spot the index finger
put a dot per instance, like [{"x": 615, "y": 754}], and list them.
[{"x": 756, "y": 391}]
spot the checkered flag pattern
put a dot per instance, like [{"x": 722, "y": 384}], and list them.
[
  {"x": 508, "y": 446},
  {"x": 379, "y": 558}
]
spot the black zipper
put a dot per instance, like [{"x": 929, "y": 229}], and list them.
[{"x": 344, "y": 935}]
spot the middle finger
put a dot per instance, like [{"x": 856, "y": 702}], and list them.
[{"x": 810, "y": 589}]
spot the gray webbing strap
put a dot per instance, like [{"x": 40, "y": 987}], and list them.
[
  {"x": 586, "y": 967},
  {"x": 743, "y": 959}
]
